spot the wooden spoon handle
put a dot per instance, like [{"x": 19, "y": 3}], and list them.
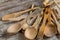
[
  {"x": 33, "y": 16},
  {"x": 56, "y": 14},
  {"x": 54, "y": 18},
  {"x": 18, "y": 18},
  {"x": 49, "y": 17},
  {"x": 37, "y": 22},
  {"x": 42, "y": 27},
  {"x": 57, "y": 4}
]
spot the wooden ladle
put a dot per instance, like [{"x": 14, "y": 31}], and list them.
[{"x": 31, "y": 32}]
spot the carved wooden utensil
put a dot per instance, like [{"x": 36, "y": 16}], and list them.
[
  {"x": 31, "y": 32},
  {"x": 15, "y": 28},
  {"x": 13, "y": 15},
  {"x": 57, "y": 23},
  {"x": 42, "y": 27},
  {"x": 50, "y": 29}
]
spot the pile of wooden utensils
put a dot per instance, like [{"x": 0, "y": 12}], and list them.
[{"x": 36, "y": 24}]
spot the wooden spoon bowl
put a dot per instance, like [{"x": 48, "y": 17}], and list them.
[
  {"x": 50, "y": 30},
  {"x": 30, "y": 33},
  {"x": 14, "y": 28}
]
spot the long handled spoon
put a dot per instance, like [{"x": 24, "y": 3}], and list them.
[
  {"x": 13, "y": 15},
  {"x": 42, "y": 27},
  {"x": 50, "y": 29},
  {"x": 31, "y": 32}
]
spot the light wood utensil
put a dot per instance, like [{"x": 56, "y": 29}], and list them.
[
  {"x": 15, "y": 28},
  {"x": 50, "y": 29},
  {"x": 31, "y": 32},
  {"x": 13, "y": 15},
  {"x": 42, "y": 27}
]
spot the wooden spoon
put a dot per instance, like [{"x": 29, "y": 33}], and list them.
[
  {"x": 50, "y": 29},
  {"x": 31, "y": 32},
  {"x": 42, "y": 27},
  {"x": 15, "y": 28},
  {"x": 57, "y": 23},
  {"x": 13, "y": 15}
]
